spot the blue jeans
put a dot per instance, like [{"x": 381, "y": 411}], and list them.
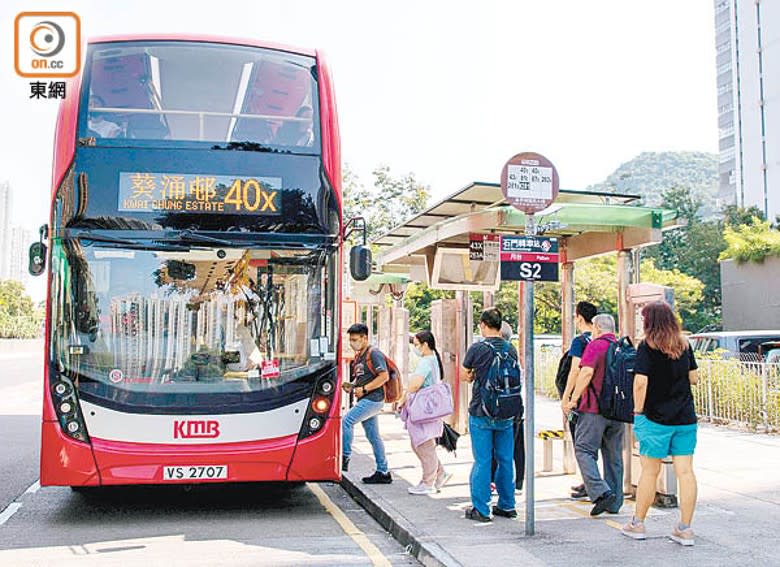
[
  {"x": 365, "y": 412},
  {"x": 490, "y": 439},
  {"x": 593, "y": 433}
]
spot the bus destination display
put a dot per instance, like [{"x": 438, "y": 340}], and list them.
[{"x": 199, "y": 193}]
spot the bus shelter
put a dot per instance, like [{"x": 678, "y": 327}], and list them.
[{"x": 434, "y": 247}]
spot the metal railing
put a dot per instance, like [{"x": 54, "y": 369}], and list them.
[{"x": 730, "y": 392}]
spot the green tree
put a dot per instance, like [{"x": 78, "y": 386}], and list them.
[
  {"x": 694, "y": 250},
  {"x": 19, "y": 318},
  {"x": 418, "y": 300},
  {"x": 389, "y": 202},
  {"x": 737, "y": 216}
]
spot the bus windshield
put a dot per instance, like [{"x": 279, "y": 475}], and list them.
[
  {"x": 141, "y": 93},
  {"x": 180, "y": 326}
]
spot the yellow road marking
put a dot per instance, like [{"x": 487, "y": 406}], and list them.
[
  {"x": 349, "y": 528},
  {"x": 585, "y": 514}
]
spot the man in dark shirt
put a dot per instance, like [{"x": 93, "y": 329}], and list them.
[
  {"x": 490, "y": 438},
  {"x": 595, "y": 432},
  {"x": 368, "y": 373},
  {"x": 583, "y": 319}
]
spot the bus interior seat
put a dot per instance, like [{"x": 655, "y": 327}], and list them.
[
  {"x": 274, "y": 90},
  {"x": 122, "y": 83}
]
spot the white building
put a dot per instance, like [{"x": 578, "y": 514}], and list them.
[
  {"x": 18, "y": 257},
  {"x": 5, "y": 229},
  {"x": 747, "y": 43}
]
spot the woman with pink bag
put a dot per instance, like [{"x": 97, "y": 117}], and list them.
[{"x": 425, "y": 402}]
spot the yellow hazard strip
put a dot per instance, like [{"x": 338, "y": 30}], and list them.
[
  {"x": 586, "y": 514},
  {"x": 550, "y": 434},
  {"x": 349, "y": 528}
]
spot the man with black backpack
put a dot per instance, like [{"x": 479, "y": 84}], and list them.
[
  {"x": 594, "y": 431},
  {"x": 569, "y": 368},
  {"x": 491, "y": 366}
]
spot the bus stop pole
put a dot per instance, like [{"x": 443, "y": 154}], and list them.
[{"x": 528, "y": 310}]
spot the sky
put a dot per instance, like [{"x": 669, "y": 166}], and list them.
[{"x": 448, "y": 91}]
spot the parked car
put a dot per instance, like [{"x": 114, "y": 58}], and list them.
[
  {"x": 744, "y": 344},
  {"x": 770, "y": 352}
]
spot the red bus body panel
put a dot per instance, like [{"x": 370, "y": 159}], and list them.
[{"x": 64, "y": 461}]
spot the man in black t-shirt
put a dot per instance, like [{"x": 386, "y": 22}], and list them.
[
  {"x": 490, "y": 438},
  {"x": 368, "y": 373}
]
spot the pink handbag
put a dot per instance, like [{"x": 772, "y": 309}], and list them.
[{"x": 427, "y": 404}]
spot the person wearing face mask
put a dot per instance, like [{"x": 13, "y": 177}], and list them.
[
  {"x": 368, "y": 374},
  {"x": 428, "y": 372}
]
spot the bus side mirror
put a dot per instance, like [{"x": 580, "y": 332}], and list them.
[
  {"x": 37, "y": 263},
  {"x": 37, "y": 259},
  {"x": 360, "y": 262}
]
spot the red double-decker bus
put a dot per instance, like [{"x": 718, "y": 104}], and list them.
[{"x": 194, "y": 265}]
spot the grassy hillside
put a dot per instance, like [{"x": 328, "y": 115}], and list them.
[{"x": 650, "y": 173}]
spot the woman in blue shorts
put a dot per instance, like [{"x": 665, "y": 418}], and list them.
[{"x": 664, "y": 416}]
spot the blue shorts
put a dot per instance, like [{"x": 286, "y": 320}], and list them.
[{"x": 657, "y": 441}]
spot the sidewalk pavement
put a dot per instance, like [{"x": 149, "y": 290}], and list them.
[{"x": 735, "y": 522}]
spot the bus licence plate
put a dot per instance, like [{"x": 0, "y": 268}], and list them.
[{"x": 195, "y": 472}]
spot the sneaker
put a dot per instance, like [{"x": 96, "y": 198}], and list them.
[
  {"x": 345, "y": 464},
  {"x": 603, "y": 503},
  {"x": 442, "y": 479},
  {"x": 634, "y": 531},
  {"x": 578, "y": 488},
  {"x": 683, "y": 537},
  {"x": 378, "y": 478},
  {"x": 579, "y": 494},
  {"x": 422, "y": 489},
  {"x": 474, "y": 514},
  {"x": 504, "y": 513}
]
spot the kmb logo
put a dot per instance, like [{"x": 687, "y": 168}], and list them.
[
  {"x": 47, "y": 44},
  {"x": 195, "y": 429}
]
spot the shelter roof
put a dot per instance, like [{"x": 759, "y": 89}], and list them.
[{"x": 589, "y": 224}]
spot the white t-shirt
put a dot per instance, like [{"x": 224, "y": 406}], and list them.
[{"x": 105, "y": 128}]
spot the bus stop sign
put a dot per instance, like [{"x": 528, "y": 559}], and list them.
[
  {"x": 529, "y": 182},
  {"x": 529, "y": 258}
]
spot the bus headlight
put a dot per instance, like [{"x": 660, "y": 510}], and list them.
[
  {"x": 66, "y": 407},
  {"x": 315, "y": 423},
  {"x": 326, "y": 387},
  {"x": 62, "y": 388},
  {"x": 320, "y": 405},
  {"x": 72, "y": 426}
]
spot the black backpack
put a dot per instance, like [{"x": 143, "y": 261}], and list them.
[
  {"x": 564, "y": 367},
  {"x": 616, "y": 400},
  {"x": 500, "y": 389}
]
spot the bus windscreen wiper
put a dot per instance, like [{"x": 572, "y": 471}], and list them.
[
  {"x": 245, "y": 146},
  {"x": 190, "y": 237},
  {"x": 143, "y": 240}
]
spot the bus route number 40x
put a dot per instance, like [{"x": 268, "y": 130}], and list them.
[{"x": 251, "y": 195}]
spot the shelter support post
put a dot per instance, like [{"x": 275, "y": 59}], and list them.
[
  {"x": 567, "y": 305},
  {"x": 451, "y": 323},
  {"x": 625, "y": 314},
  {"x": 625, "y": 328}
]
